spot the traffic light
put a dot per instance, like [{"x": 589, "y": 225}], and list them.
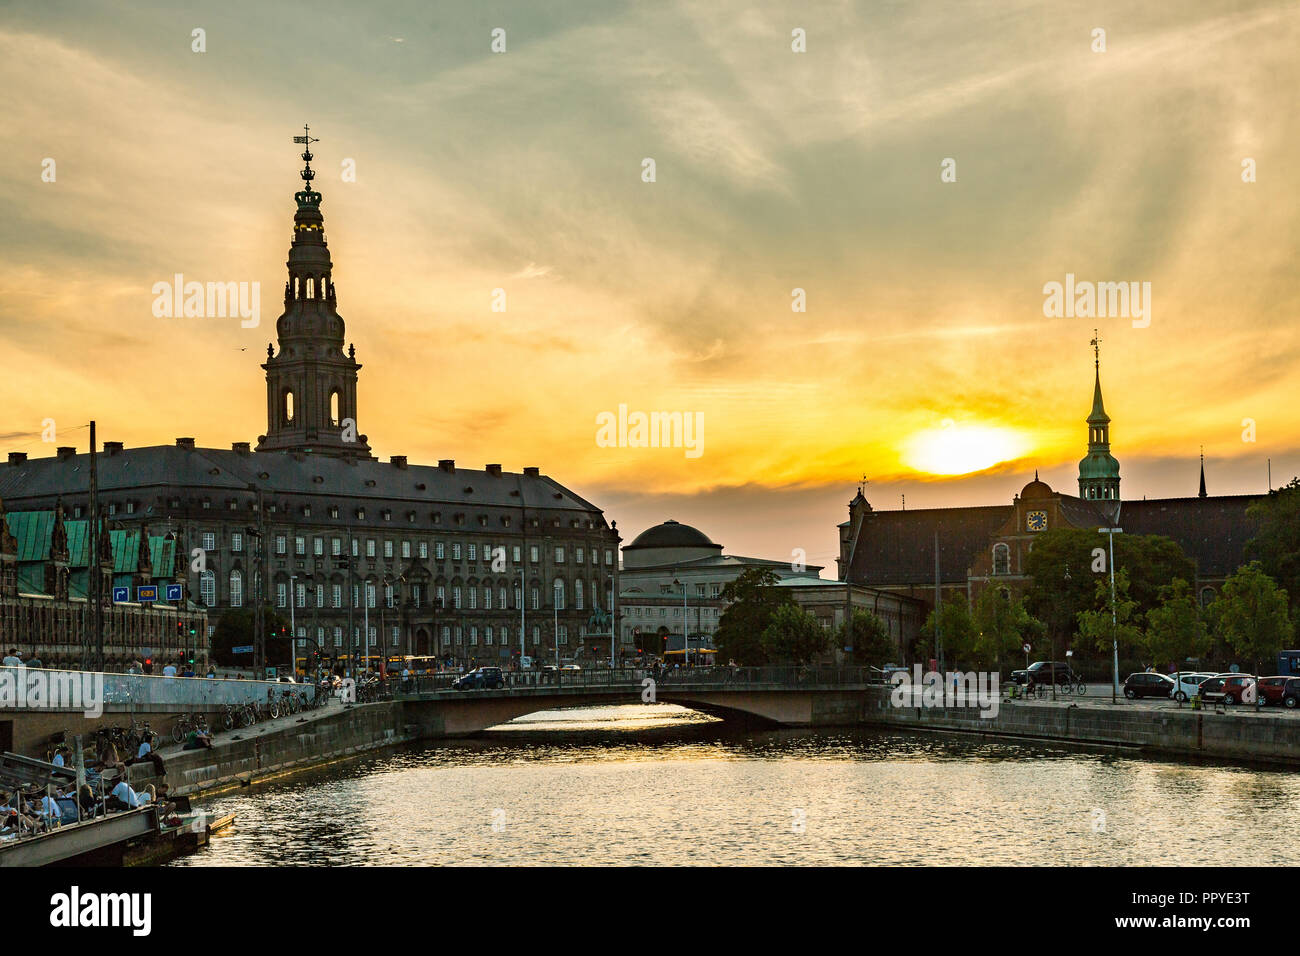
[{"x": 180, "y": 628}]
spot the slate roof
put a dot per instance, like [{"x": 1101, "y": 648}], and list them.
[
  {"x": 897, "y": 547},
  {"x": 1213, "y": 531},
  {"x": 221, "y": 473}
]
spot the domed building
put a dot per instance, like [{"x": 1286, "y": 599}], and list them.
[{"x": 672, "y": 581}]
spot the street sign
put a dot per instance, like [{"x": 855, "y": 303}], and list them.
[
  {"x": 242, "y": 649},
  {"x": 121, "y": 594},
  {"x": 1027, "y": 648},
  {"x": 146, "y": 593},
  {"x": 173, "y": 593}
]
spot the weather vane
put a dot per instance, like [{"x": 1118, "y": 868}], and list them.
[
  {"x": 1096, "y": 348},
  {"x": 307, "y": 174}
]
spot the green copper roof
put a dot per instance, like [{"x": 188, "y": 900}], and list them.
[{"x": 1098, "y": 414}]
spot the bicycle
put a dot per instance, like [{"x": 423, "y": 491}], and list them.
[{"x": 184, "y": 724}]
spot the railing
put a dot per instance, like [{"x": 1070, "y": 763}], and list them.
[
  {"x": 149, "y": 691},
  {"x": 723, "y": 678}
]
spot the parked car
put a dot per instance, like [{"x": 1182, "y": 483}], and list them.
[
  {"x": 1148, "y": 684},
  {"x": 1272, "y": 689},
  {"x": 570, "y": 667},
  {"x": 1229, "y": 688},
  {"x": 1291, "y": 693},
  {"x": 1042, "y": 672},
  {"x": 1187, "y": 684},
  {"x": 481, "y": 678}
]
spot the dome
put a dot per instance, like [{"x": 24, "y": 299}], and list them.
[
  {"x": 671, "y": 534},
  {"x": 1037, "y": 489}
]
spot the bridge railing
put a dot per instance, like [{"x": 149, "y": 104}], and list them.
[{"x": 722, "y": 677}]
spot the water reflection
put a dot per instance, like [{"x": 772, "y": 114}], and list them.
[{"x": 660, "y": 785}]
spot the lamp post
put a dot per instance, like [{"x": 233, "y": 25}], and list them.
[
  {"x": 1114, "y": 624},
  {"x": 523, "y": 643},
  {"x": 293, "y": 626},
  {"x": 559, "y": 595},
  {"x": 686, "y": 636}
]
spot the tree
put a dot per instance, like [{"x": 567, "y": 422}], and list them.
[
  {"x": 793, "y": 636},
  {"x": 1175, "y": 629},
  {"x": 1100, "y": 625},
  {"x": 1276, "y": 545},
  {"x": 956, "y": 631},
  {"x": 1002, "y": 627},
  {"x": 753, "y": 598},
  {"x": 235, "y": 629},
  {"x": 1251, "y": 615},
  {"x": 869, "y": 637},
  {"x": 1150, "y": 562}
]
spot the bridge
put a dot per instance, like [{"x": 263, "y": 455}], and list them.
[{"x": 761, "y": 696}]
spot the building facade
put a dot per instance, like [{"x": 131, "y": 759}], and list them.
[{"x": 394, "y": 557}]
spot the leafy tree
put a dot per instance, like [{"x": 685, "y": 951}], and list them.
[
  {"x": 1175, "y": 629},
  {"x": 1276, "y": 546},
  {"x": 869, "y": 637},
  {"x": 235, "y": 629},
  {"x": 1002, "y": 627},
  {"x": 1099, "y": 628},
  {"x": 956, "y": 631},
  {"x": 794, "y": 636},
  {"x": 753, "y": 598},
  {"x": 1251, "y": 614},
  {"x": 1149, "y": 561}
]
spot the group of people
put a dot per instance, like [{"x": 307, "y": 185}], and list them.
[
  {"x": 106, "y": 790},
  {"x": 12, "y": 659},
  {"x": 170, "y": 669}
]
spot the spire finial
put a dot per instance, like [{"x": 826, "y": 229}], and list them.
[
  {"x": 1096, "y": 349},
  {"x": 1035, "y": 474},
  {"x": 307, "y": 174}
]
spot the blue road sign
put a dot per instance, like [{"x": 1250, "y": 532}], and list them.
[
  {"x": 173, "y": 593},
  {"x": 121, "y": 594},
  {"x": 242, "y": 649},
  {"x": 146, "y": 593}
]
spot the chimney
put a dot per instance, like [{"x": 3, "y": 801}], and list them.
[
  {"x": 17, "y": 457},
  {"x": 238, "y": 446},
  {"x": 65, "y": 452},
  {"x": 494, "y": 470},
  {"x": 112, "y": 447},
  {"x": 186, "y": 443},
  {"x": 533, "y": 472},
  {"x": 448, "y": 465},
  {"x": 399, "y": 461}
]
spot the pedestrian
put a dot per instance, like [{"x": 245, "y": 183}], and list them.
[
  {"x": 12, "y": 659},
  {"x": 169, "y": 670}
]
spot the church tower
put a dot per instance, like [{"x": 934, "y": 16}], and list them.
[
  {"x": 1098, "y": 471},
  {"x": 311, "y": 385}
]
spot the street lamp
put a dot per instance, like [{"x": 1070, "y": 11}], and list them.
[
  {"x": 559, "y": 596},
  {"x": 1114, "y": 625},
  {"x": 686, "y": 636}
]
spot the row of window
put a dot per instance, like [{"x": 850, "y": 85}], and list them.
[
  {"x": 459, "y": 552},
  {"x": 499, "y": 636}
]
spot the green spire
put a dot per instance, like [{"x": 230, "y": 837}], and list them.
[{"x": 1098, "y": 471}]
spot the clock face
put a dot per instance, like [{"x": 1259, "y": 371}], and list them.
[{"x": 1036, "y": 520}]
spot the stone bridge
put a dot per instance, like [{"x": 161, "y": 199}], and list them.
[{"x": 761, "y": 696}]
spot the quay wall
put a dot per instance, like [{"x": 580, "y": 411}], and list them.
[
  {"x": 1239, "y": 734},
  {"x": 338, "y": 733}
]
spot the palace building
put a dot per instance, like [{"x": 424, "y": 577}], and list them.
[
  {"x": 426, "y": 559},
  {"x": 965, "y": 550}
]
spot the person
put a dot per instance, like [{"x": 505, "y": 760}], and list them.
[
  {"x": 212, "y": 671},
  {"x": 50, "y": 811},
  {"x": 34, "y": 661},
  {"x": 145, "y": 753},
  {"x": 169, "y": 670},
  {"x": 58, "y": 760},
  {"x": 12, "y": 659},
  {"x": 122, "y": 797},
  {"x": 89, "y": 803},
  {"x": 135, "y": 668},
  {"x": 189, "y": 670},
  {"x": 198, "y": 739}
]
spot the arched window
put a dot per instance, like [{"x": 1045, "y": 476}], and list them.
[
  {"x": 208, "y": 588},
  {"x": 1207, "y": 597},
  {"x": 577, "y": 594},
  {"x": 288, "y": 407},
  {"x": 1001, "y": 559},
  {"x": 559, "y": 594},
  {"x": 1005, "y": 595},
  {"x": 334, "y": 407},
  {"x": 236, "y": 589},
  {"x": 311, "y": 288}
]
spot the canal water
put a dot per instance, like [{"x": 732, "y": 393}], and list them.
[{"x": 661, "y": 785}]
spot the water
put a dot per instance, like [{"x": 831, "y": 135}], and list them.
[{"x": 661, "y": 785}]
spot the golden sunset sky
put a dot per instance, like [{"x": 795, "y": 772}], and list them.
[{"x": 924, "y": 347}]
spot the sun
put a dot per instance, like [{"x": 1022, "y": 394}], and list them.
[{"x": 953, "y": 449}]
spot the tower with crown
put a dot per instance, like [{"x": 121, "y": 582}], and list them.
[
  {"x": 311, "y": 384},
  {"x": 1098, "y": 471}
]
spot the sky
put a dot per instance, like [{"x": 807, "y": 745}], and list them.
[{"x": 921, "y": 171}]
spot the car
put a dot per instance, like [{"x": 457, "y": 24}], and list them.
[
  {"x": 1043, "y": 672},
  {"x": 1148, "y": 684},
  {"x": 1187, "y": 684},
  {"x": 570, "y": 667},
  {"x": 481, "y": 678},
  {"x": 1291, "y": 693},
  {"x": 1230, "y": 689},
  {"x": 1272, "y": 689}
]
